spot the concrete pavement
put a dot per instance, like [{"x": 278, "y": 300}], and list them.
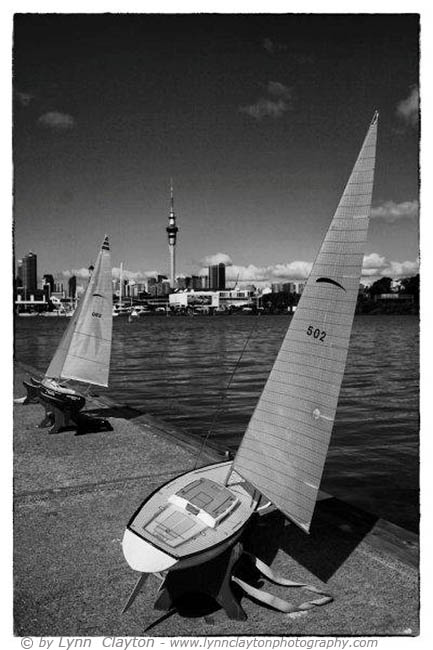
[{"x": 73, "y": 496}]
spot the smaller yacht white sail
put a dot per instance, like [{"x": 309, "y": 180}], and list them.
[{"x": 84, "y": 351}]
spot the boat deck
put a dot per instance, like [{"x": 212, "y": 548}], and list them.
[{"x": 194, "y": 512}]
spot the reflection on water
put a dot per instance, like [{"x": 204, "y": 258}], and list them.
[{"x": 178, "y": 370}]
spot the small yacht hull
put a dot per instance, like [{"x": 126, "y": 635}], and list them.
[
  {"x": 170, "y": 532},
  {"x": 61, "y": 397}
]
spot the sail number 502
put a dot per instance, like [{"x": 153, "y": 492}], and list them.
[{"x": 316, "y": 333}]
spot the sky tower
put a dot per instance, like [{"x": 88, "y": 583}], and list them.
[{"x": 172, "y": 232}]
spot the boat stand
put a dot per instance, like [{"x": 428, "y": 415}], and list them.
[
  {"x": 211, "y": 579},
  {"x": 32, "y": 387},
  {"x": 62, "y": 417}
]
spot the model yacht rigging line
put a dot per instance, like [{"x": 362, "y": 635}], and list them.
[{"x": 198, "y": 515}]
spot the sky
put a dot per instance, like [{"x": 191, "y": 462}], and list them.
[{"x": 258, "y": 119}]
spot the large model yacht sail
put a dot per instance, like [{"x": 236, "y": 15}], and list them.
[{"x": 283, "y": 452}]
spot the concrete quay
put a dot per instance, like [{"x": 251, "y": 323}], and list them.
[{"x": 73, "y": 496}]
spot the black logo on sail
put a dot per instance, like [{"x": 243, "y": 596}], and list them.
[{"x": 330, "y": 281}]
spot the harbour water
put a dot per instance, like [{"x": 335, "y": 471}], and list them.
[{"x": 178, "y": 369}]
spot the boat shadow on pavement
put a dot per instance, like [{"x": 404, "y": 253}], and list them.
[{"x": 338, "y": 528}]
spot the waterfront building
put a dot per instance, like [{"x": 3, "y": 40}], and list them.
[
  {"x": 204, "y": 281},
  {"x": 197, "y": 283},
  {"x": 217, "y": 276},
  {"x": 141, "y": 289},
  {"x": 19, "y": 278},
  {"x": 35, "y": 302},
  {"x": 134, "y": 289},
  {"x": 237, "y": 298},
  {"x": 289, "y": 287},
  {"x": 386, "y": 297},
  {"x": 200, "y": 300},
  {"x": 203, "y": 300},
  {"x": 181, "y": 282},
  {"x": 72, "y": 287},
  {"x": 48, "y": 285},
  {"x": 172, "y": 230},
  {"x": 150, "y": 282},
  {"x": 29, "y": 274},
  {"x": 164, "y": 288},
  {"x": 127, "y": 288}
]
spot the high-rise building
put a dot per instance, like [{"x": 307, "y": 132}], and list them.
[
  {"x": 150, "y": 282},
  {"x": 152, "y": 289},
  {"x": 172, "y": 234},
  {"x": 29, "y": 273},
  {"x": 72, "y": 286},
  {"x": 164, "y": 288},
  {"x": 19, "y": 279},
  {"x": 181, "y": 282},
  {"x": 48, "y": 285},
  {"x": 217, "y": 276},
  {"x": 289, "y": 287}
]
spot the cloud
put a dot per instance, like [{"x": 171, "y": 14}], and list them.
[
  {"x": 391, "y": 211},
  {"x": 274, "y": 105},
  {"x": 377, "y": 266},
  {"x": 373, "y": 265},
  {"x": 296, "y": 270},
  {"x": 273, "y": 46},
  {"x": 57, "y": 121},
  {"x": 82, "y": 273},
  {"x": 249, "y": 274},
  {"x": 265, "y": 108},
  {"x": 269, "y": 45},
  {"x": 259, "y": 275},
  {"x": 217, "y": 258},
  {"x": 408, "y": 109},
  {"x": 23, "y": 98},
  {"x": 134, "y": 276},
  {"x": 278, "y": 89}
]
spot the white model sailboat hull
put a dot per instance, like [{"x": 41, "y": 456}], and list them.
[{"x": 163, "y": 535}]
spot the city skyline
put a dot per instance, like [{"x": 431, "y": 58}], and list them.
[{"x": 258, "y": 119}]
